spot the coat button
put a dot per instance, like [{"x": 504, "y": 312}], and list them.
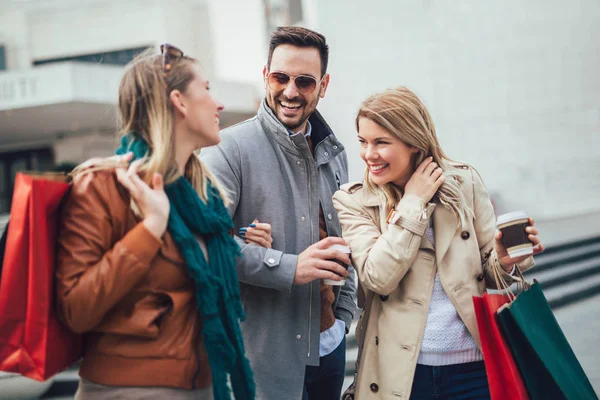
[
  {"x": 334, "y": 147},
  {"x": 329, "y": 216},
  {"x": 465, "y": 235},
  {"x": 298, "y": 162},
  {"x": 326, "y": 154},
  {"x": 374, "y": 387},
  {"x": 271, "y": 261},
  {"x": 480, "y": 277},
  {"x": 383, "y": 297}
]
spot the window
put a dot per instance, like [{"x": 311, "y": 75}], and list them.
[
  {"x": 119, "y": 57},
  {"x": 282, "y": 13},
  {"x": 2, "y": 59}
]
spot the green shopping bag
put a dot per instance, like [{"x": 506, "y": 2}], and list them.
[{"x": 545, "y": 359}]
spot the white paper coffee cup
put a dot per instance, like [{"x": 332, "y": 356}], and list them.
[{"x": 343, "y": 249}]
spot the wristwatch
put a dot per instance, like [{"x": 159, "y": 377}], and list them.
[{"x": 393, "y": 216}]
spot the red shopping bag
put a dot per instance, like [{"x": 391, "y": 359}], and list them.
[
  {"x": 33, "y": 342},
  {"x": 503, "y": 374}
]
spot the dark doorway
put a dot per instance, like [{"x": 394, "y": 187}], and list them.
[{"x": 16, "y": 161}]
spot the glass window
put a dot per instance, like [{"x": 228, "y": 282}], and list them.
[
  {"x": 2, "y": 59},
  {"x": 119, "y": 57}
]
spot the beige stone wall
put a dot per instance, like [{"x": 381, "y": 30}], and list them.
[{"x": 78, "y": 148}]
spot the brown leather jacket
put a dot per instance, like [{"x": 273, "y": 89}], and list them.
[{"x": 127, "y": 291}]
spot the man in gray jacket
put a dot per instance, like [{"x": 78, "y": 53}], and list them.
[{"x": 281, "y": 169}]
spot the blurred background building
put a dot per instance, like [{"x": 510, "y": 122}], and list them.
[
  {"x": 60, "y": 66},
  {"x": 513, "y": 86}
]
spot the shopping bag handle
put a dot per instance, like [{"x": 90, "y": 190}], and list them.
[
  {"x": 501, "y": 283},
  {"x": 48, "y": 176}
]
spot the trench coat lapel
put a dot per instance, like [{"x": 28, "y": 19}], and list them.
[{"x": 444, "y": 229}]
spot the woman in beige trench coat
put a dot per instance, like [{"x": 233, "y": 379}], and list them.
[{"x": 422, "y": 233}]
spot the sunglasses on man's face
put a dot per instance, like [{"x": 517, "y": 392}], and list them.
[
  {"x": 278, "y": 81},
  {"x": 170, "y": 53}
]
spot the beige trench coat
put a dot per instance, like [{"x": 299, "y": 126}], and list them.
[{"x": 398, "y": 265}]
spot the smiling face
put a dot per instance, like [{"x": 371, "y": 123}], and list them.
[
  {"x": 291, "y": 106},
  {"x": 388, "y": 159}
]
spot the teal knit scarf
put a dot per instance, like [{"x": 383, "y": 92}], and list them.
[{"x": 216, "y": 282}]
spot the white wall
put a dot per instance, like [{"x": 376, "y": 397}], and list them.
[
  {"x": 104, "y": 26},
  {"x": 187, "y": 25},
  {"x": 239, "y": 38},
  {"x": 48, "y": 29},
  {"x": 513, "y": 87}
]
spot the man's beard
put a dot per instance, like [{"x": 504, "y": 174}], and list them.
[{"x": 297, "y": 125}]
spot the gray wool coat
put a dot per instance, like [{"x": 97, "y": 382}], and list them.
[{"x": 273, "y": 176}]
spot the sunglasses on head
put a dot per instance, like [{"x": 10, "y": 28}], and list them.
[
  {"x": 170, "y": 53},
  {"x": 305, "y": 84}
]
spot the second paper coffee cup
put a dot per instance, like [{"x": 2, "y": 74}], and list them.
[{"x": 515, "y": 238}]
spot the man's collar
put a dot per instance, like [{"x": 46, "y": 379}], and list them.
[
  {"x": 319, "y": 131},
  {"x": 308, "y": 130}
]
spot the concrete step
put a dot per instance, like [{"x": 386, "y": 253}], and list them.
[
  {"x": 568, "y": 255},
  {"x": 550, "y": 278},
  {"x": 573, "y": 291}
]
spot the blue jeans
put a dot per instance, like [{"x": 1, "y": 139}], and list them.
[
  {"x": 451, "y": 382},
  {"x": 325, "y": 381}
]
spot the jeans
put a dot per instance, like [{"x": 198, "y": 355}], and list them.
[
  {"x": 451, "y": 382},
  {"x": 325, "y": 381}
]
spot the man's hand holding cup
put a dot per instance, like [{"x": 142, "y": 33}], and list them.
[{"x": 327, "y": 259}]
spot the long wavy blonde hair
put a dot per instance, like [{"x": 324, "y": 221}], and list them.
[
  {"x": 400, "y": 112},
  {"x": 144, "y": 107}
]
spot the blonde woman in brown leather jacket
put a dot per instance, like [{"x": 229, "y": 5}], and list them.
[{"x": 124, "y": 278}]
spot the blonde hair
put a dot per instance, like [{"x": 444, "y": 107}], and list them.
[
  {"x": 145, "y": 108},
  {"x": 400, "y": 112}
]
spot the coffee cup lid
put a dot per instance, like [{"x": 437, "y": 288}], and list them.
[
  {"x": 511, "y": 216},
  {"x": 340, "y": 247}
]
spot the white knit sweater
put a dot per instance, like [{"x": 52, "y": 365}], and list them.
[{"x": 446, "y": 339}]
